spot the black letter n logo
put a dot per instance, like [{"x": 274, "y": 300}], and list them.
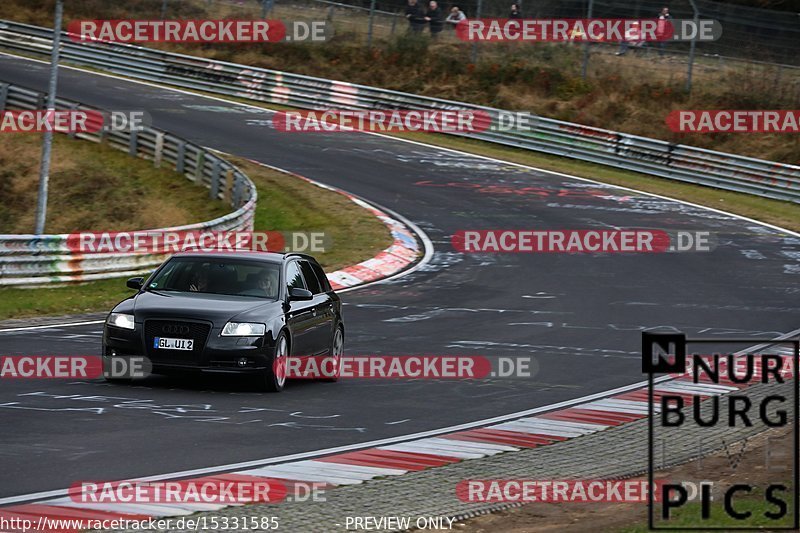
[{"x": 663, "y": 352}]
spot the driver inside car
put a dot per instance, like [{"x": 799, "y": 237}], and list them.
[{"x": 268, "y": 283}]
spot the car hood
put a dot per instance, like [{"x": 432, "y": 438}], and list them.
[{"x": 216, "y": 308}]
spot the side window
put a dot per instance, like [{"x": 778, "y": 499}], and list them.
[
  {"x": 310, "y": 277},
  {"x": 323, "y": 279},
  {"x": 294, "y": 279}
]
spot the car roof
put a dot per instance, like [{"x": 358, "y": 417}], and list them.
[{"x": 270, "y": 257}]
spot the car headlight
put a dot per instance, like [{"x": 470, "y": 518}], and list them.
[
  {"x": 243, "y": 329},
  {"x": 120, "y": 320}
]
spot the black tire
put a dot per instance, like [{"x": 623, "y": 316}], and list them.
[
  {"x": 270, "y": 380},
  {"x": 336, "y": 353}
]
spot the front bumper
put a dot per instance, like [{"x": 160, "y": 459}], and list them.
[{"x": 211, "y": 353}]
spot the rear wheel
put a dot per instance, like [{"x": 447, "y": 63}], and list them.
[
  {"x": 337, "y": 348},
  {"x": 273, "y": 378}
]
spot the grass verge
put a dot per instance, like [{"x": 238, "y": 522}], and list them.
[
  {"x": 95, "y": 187},
  {"x": 285, "y": 203},
  {"x": 755, "y": 503}
]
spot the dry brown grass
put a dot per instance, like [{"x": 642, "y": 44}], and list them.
[{"x": 94, "y": 188}]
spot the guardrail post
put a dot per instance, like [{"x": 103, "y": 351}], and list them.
[
  {"x": 158, "y": 151},
  {"x": 101, "y": 135},
  {"x": 213, "y": 192},
  {"x": 237, "y": 190},
  {"x": 180, "y": 158},
  {"x": 199, "y": 166},
  {"x": 3, "y": 95},
  {"x": 73, "y": 107},
  {"x": 133, "y": 147},
  {"x": 229, "y": 182}
]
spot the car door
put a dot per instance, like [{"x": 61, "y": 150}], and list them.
[
  {"x": 300, "y": 315},
  {"x": 322, "y": 328}
]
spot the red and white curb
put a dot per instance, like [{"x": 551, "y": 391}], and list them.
[
  {"x": 355, "y": 467},
  {"x": 403, "y": 252}
]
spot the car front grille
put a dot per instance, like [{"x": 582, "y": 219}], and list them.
[{"x": 197, "y": 331}]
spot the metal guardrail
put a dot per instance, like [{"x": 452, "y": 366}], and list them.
[
  {"x": 40, "y": 259},
  {"x": 758, "y": 177}
]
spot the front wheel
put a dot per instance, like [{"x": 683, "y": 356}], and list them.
[
  {"x": 273, "y": 378},
  {"x": 337, "y": 349}
]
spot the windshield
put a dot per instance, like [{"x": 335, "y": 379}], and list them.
[{"x": 223, "y": 276}]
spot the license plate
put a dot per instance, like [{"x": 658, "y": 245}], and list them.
[{"x": 166, "y": 343}]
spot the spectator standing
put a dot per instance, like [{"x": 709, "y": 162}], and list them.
[
  {"x": 661, "y": 29},
  {"x": 435, "y": 18},
  {"x": 455, "y": 16},
  {"x": 515, "y": 12},
  {"x": 415, "y": 16}
]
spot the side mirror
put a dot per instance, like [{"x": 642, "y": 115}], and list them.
[
  {"x": 135, "y": 283},
  {"x": 297, "y": 294}
]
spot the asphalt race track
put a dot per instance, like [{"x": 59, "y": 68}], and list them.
[{"x": 579, "y": 316}]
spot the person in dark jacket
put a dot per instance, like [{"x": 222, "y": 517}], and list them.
[
  {"x": 515, "y": 12},
  {"x": 435, "y": 18},
  {"x": 415, "y": 16}
]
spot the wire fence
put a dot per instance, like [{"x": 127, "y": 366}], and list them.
[
  {"x": 749, "y": 33},
  {"x": 751, "y": 37}
]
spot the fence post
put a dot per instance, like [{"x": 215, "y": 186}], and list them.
[
  {"x": 371, "y": 21},
  {"x": 691, "y": 48},
  {"x": 47, "y": 141},
  {"x": 394, "y": 24},
  {"x": 475, "y": 44},
  {"x": 585, "y": 66}
]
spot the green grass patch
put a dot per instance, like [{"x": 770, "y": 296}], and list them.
[{"x": 689, "y": 515}]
